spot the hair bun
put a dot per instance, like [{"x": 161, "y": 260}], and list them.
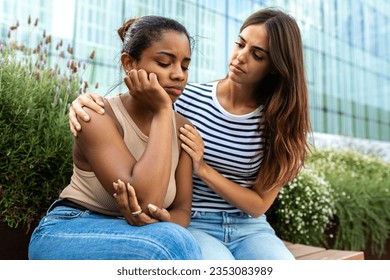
[{"x": 123, "y": 29}]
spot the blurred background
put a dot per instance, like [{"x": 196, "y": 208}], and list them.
[{"x": 346, "y": 47}]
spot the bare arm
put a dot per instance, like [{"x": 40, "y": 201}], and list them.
[
  {"x": 254, "y": 201},
  {"x": 108, "y": 156},
  {"x": 179, "y": 211}
]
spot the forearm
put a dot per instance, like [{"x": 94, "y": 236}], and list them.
[
  {"x": 180, "y": 216},
  {"x": 152, "y": 171},
  {"x": 241, "y": 197}
]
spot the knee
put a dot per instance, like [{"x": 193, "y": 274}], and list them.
[{"x": 179, "y": 242}]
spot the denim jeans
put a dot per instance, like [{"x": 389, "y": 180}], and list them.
[
  {"x": 72, "y": 234},
  {"x": 224, "y": 236}
]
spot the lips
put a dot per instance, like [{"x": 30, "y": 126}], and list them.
[
  {"x": 236, "y": 68},
  {"x": 174, "y": 90}
]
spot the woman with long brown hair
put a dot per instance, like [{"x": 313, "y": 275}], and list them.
[{"x": 250, "y": 138}]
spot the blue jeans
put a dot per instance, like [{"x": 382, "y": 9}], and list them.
[
  {"x": 224, "y": 236},
  {"x": 72, "y": 234}
]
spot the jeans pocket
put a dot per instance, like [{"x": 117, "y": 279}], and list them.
[{"x": 197, "y": 214}]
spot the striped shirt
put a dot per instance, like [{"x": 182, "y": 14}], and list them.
[{"x": 234, "y": 144}]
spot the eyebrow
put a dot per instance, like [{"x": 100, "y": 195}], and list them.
[
  {"x": 256, "y": 47},
  {"x": 173, "y": 56}
]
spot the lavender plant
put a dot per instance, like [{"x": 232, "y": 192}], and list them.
[{"x": 35, "y": 142}]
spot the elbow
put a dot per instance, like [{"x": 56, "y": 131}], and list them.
[{"x": 256, "y": 213}]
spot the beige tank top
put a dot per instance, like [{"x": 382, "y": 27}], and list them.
[{"x": 86, "y": 190}]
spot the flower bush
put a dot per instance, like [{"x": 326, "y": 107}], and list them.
[
  {"x": 304, "y": 208},
  {"x": 35, "y": 142},
  {"x": 361, "y": 183},
  {"x": 340, "y": 200}
]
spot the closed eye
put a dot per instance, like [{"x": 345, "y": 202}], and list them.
[
  {"x": 239, "y": 45},
  {"x": 165, "y": 65},
  {"x": 257, "y": 57}
]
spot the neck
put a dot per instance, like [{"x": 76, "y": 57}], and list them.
[
  {"x": 140, "y": 115},
  {"x": 236, "y": 98}
]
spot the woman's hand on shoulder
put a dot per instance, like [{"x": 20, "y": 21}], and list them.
[
  {"x": 146, "y": 88},
  {"x": 127, "y": 201},
  {"x": 193, "y": 144},
  {"x": 90, "y": 100}
]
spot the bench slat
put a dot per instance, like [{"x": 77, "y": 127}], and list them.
[
  {"x": 334, "y": 255},
  {"x": 299, "y": 250},
  {"x": 307, "y": 252}
]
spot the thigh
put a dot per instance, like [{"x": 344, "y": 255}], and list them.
[
  {"x": 261, "y": 246},
  {"x": 258, "y": 241},
  {"x": 67, "y": 233},
  {"x": 211, "y": 247}
]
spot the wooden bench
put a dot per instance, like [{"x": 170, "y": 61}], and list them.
[{"x": 306, "y": 252}]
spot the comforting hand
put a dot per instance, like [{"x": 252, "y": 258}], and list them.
[
  {"x": 146, "y": 88},
  {"x": 90, "y": 100},
  {"x": 131, "y": 210},
  {"x": 194, "y": 146}
]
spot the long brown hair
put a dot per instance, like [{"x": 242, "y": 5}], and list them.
[{"x": 285, "y": 97}]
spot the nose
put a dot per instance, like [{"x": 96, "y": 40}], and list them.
[
  {"x": 178, "y": 73},
  {"x": 241, "y": 55}
]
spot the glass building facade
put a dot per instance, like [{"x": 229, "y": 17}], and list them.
[{"x": 346, "y": 46}]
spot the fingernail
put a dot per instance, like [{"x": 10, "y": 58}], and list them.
[
  {"x": 85, "y": 118},
  {"x": 77, "y": 127},
  {"x": 102, "y": 111},
  {"x": 152, "y": 208}
]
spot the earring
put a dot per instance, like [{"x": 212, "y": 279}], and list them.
[{"x": 127, "y": 72}]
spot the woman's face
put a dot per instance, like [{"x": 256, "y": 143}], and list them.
[
  {"x": 250, "y": 61},
  {"x": 169, "y": 59}
]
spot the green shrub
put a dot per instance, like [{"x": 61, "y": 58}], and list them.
[
  {"x": 35, "y": 142},
  {"x": 303, "y": 209},
  {"x": 362, "y": 187}
]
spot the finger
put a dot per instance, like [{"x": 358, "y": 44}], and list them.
[
  {"x": 121, "y": 197},
  {"x": 188, "y": 150},
  {"x": 73, "y": 122},
  {"x": 189, "y": 131},
  {"x": 143, "y": 78},
  {"x": 136, "y": 85},
  {"x": 91, "y": 103},
  {"x": 128, "y": 82},
  {"x": 72, "y": 129},
  {"x": 153, "y": 79},
  {"x": 98, "y": 99},
  {"x": 158, "y": 213},
  {"x": 187, "y": 141},
  {"x": 133, "y": 201}
]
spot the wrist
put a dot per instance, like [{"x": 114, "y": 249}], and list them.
[
  {"x": 166, "y": 110},
  {"x": 203, "y": 170}
]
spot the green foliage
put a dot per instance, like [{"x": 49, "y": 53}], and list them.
[
  {"x": 362, "y": 186},
  {"x": 344, "y": 191},
  {"x": 303, "y": 209},
  {"x": 35, "y": 142}
]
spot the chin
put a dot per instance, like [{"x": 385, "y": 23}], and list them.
[
  {"x": 234, "y": 78},
  {"x": 174, "y": 99}
]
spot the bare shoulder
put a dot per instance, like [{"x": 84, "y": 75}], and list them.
[{"x": 181, "y": 121}]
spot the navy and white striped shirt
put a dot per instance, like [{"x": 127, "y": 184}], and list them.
[{"x": 234, "y": 144}]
